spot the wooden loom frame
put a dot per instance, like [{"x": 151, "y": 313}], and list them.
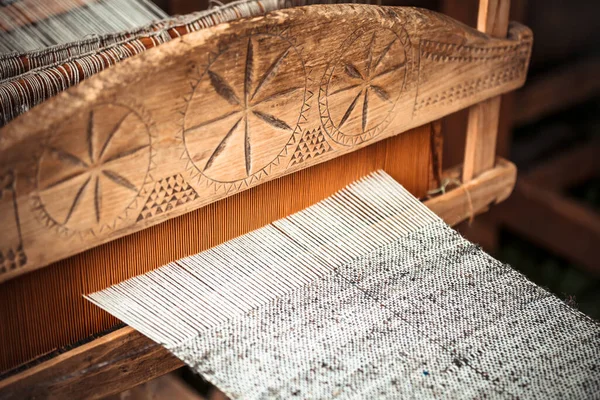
[{"x": 125, "y": 358}]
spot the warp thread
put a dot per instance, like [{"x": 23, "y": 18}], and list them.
[{"x": 366, "y": 294}]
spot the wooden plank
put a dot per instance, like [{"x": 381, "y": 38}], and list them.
[
  {"x": 166, "y": 387},
  {"x": 482, "y": 230},
  {"x": 230, "y": 107},
  {"x": 455, "y": 125},
  {"x": 518, "y": 12},
  {"x": 557, "y": 90},
  {"x": 560, "y": 224},
  {"x": 125, "y": 358},
  {"x": 108, "y": 365},
  {"x": 477, "y": 198},
  {"x": 436, "y": 152},
  {"x": 477, "y": 195},
  {"x": 482, "y": 124},
  {"x": 482, "y": 131},
  {"x": 570, "y": 168},
  {"x": 493, "y": 17}
]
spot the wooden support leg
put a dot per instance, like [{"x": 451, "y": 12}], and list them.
[
  {"x": 482, "y": 130},
  {"x": 482, "y": 127},
  {"x": 483, "y": 120}
]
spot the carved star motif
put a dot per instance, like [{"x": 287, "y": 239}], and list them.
[
  {"x": 248, "y": 111},
  {"x": 365, "y": 81},
  {"x": 89, "y": 173}
]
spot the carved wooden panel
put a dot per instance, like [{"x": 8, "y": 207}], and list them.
[
  {"x": 226, "y": 108},
  {"x": 98, "y": 171}
]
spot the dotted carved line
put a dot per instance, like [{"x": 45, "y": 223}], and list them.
[
  {"x": 445, "y": 52},
  {"x": 469, "y": 88}
]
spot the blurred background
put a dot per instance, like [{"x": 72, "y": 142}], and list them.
[{"x": 549, "y": 229}]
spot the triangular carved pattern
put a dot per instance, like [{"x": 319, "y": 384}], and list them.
[
  {"x": 167, "y": 194},
  {"x": 11, "y": 259},
  {"x": 311, "y": 145}
]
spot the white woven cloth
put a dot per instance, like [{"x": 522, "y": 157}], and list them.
[{"x": 365, "y": 295}]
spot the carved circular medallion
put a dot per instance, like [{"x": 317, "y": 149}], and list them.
[
  {"x": 93, "y": 168},
  {"x": 244, "y": 108},
  {"x": 361, "y": 87}
]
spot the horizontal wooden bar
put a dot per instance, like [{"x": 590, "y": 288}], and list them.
[
  {"x": 125, "y": 358},
  {"x": 166, "y": 387},
  {"x": 227, "y": 108},
  {"x": 108, "y": 365},
  {"x": 476, "y": 196}
]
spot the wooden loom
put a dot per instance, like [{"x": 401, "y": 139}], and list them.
[{"x": 217, "y": 133}]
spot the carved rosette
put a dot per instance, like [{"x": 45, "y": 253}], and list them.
[
  {"x": 244, "y": 110},
  {"x": 93, "y": 168},
  {"x": 354, "y": 104}
]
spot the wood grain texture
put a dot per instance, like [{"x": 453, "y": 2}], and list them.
[
  {"x": 481, "y": 230},
  {"x": 108, "y": 365},
  {"x": 437, "y": 149},
  {"x": 482, "y": 123},
  {"x": 493, "y": 17},
  {"x": 126, "y": 358},
  {"x": 482, "y": 133},
  {"x": 230, "y": 107},
  {"x": 477, "y": 195},
  {"x": 166, "y": 387},
  {"x": 455, "y": 125}
]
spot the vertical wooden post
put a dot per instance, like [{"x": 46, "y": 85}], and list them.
[{"x": 482, "y": 126}]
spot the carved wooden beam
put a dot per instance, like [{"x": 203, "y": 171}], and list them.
[{"x": 226, "y": 108}]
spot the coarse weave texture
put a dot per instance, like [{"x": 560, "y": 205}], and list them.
[{"x": 366, "y": 294}]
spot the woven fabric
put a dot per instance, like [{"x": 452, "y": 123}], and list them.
[{"x": 364, "y": 295}]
